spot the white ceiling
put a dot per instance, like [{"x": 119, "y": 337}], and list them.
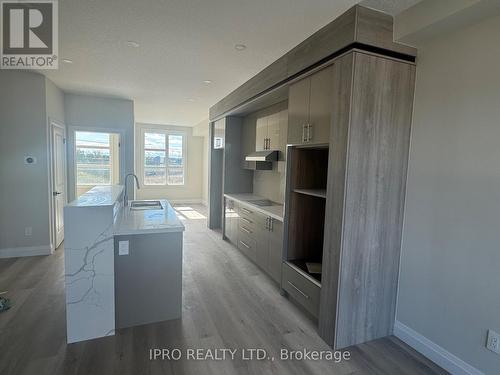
[{"x": 182, "y": 43}]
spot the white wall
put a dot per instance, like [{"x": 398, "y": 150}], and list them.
[
  {"x": 26, "y": 101},
  {"x": 450, "y": 269},
  {"x": 192, "y": 190},
  {"x": 97, "y": 113},
  {"x": 202, "y": 130}
]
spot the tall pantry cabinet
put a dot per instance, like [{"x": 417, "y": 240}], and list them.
[{"x": 369, "y": 100}]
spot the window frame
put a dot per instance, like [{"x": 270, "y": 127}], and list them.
[{"x": 142, "y": 150}]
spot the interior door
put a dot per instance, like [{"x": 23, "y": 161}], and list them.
[{"x": 58, "y": 181}]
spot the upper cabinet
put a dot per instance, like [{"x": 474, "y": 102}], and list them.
[
  {"x": 271, "y": 128},
  {"x": 309, "y": 108},
  {"x": 261, "y": 133}
]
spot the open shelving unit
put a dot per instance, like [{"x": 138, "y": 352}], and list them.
[
  {"x": 319, "y": 193},
  {"x": 307, "y": 199}
]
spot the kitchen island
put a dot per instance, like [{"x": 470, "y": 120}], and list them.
[{"x": 98, "y": 280}]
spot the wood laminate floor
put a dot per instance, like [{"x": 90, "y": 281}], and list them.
[{"x": 227, "y": 303}]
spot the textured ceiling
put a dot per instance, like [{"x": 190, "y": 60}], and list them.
[{"x": 182, "y": 43}]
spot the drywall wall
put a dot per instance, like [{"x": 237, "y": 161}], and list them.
[
  {"x": 202, "y": 130},
  {"x": 191, "y": 191},
  {"x": 54, "y": 102},
  {"x": 86, "y": 112},
  {"x": 24, "y": 194},
  {"x": 449, "y": 277}
]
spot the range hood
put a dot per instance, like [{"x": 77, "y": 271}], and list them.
[
  {"x": 268, "y": 155},
  {"x": 261, "y": 160}
]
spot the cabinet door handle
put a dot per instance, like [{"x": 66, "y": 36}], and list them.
[
  {"x": 248, "y": 247},
  {"x": 298, "y": 290},
  {"x": 268, "y": 143},
  {"x": 246, "y": 211},
  {"x": 267, "y": 223},
  {"x": 304, "y": 139},
  {"x": 246, "y": 230},
  {"x": 246, "y": 220},
  {"x": 309, "y": 132},
  {"x": 271, "y": 224}
]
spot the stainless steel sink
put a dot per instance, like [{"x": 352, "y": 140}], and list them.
[
  {"x": 146, "y": 205},
  {"x": 262, "y": 202}
]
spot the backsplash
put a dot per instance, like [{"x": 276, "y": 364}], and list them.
[{"x": 271, "y": 184}]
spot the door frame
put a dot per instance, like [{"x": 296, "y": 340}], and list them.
[{"x": 52, "y": 215}]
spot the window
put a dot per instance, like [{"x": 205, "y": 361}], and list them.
[
  {"x": 96, "y": 160},
  {"x": 93, "y": 158},
  {"x": 163, "y": 159}
]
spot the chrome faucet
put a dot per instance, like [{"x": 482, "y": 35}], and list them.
[{"x": 125, "y": 195}]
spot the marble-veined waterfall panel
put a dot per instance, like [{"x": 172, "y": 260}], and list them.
[{"x": 89, "y": 263}]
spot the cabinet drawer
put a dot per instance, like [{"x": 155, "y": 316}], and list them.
[
  {"x": 303, "y": 290},
  {"x": 246, "y": 222},
  {"x": 246, "y": 230},
  {"x": 247, "y": 212},
  {"x": 247, "y": 245}
]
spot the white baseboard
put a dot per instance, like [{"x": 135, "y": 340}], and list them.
[
  {"x": 25, "y": 251},
  {"x": 433, "y": 351}
]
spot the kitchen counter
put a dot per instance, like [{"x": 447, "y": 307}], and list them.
[
  {"x": 147, "y": 221},
  {"x": 98, "y": 196},
  {"x": 275, "y": 211}
]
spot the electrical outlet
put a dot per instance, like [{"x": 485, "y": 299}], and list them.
[
  {"x": 493, "y": 341},
  {"x": 28, "y": 231}
]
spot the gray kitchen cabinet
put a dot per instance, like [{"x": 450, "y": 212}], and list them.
[
  {"x": 261, "y": 133},
  {"x": 270, "y": 131},
  {"x": 344, "y": 200},
  {"x": 275, "y": 251},
  {"x": 309, "y": 108},
  {"x": 273, "y": 131},
  {"x": 261, "y": 239},
  {"x": 304, "y": 290},
  {"x": 231, "y": 221},
  {"x": 298, "y": 110},
  {"x": 320, "y": 106},
  {"x": 269, "y": 244}
]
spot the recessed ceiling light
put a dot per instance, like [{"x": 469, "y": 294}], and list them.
[
  {"x": 191, "y": 100},
  {"x": 207, "y": 81},
  {"x": 132, "y": 44},
  {"x": 67, "y": 61},
  {"x": 240, "y": 47}
]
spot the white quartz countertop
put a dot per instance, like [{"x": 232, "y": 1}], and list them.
[
  {"x": 275, "y": 211},
  {"x": 98, "y": 196},
  {"x": 147, "y": 221}
]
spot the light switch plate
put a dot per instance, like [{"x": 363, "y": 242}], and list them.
[{"x": 123, "y": 247}]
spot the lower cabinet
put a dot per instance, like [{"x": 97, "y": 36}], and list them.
[
  {"x": 231, "y": 220},
  {"x": 304, "y": 290},
  {"x": 260, "y": 237}
]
